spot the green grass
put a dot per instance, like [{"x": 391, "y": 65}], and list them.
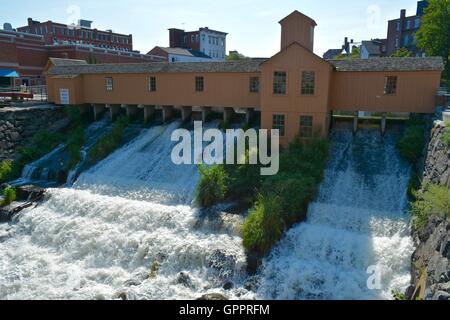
[
  {"x": 5, "y": 170},
  {"x": 109, "y": 142},
  {"x": 9, "y": 196},
  {"x": 212, "y": 186},
  {"x": 432, "y": 200}
]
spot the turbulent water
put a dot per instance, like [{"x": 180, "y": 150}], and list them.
[
  {"x": 127, "y": 228},
  {"x": 359, "y": 220}
]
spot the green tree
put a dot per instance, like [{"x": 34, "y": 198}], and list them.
[
  {"x": 402, "y": 53},
  {"x": 434, "y": 34},
  {"x": 235, "y": 56},
  {"x": 355, "y": 54}
]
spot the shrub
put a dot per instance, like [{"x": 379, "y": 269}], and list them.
[
  {"x": 110, "y": 141},
  {"x": 5, "y": 170},
  {"x": 446, "y": 136},
  {"x": 9, "y": 196},
  {"x": 264, "y": 225},
  {"x": 412, "y": 142},
  {"x": 212, "y": 187},
  {"x": 74, "y": 145},
  {"x": 433, "y": 200}
]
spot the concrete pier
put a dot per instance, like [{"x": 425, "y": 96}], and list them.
[
  {"x": 248, "y": 116},
  {"x": 383, "y": 123},
  {"x": 227, "y": 114},
  {"x": 355, "y": 122},
  {"x": 114, "y": 110},
  {"x": 186, "y": 113},
  {"x": 149, "y": 111},
  {"x": 167, "y": 113},
  {"x": 98, "y": 109},
  {"x": 131, "y": 110}
]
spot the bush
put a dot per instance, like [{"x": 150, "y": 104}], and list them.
[
  {"x": 432, "y": 200},
  {"x": 74, "y": 145},
  {"x": 446, "y": 136},
  {"x": 9, "y": 196},
  {"x": 212, "y": 187},
  {"x": 5, "y": 170},
  {"x": 264, "y": 225},
  {"x": 412, "y": 142},
  {"x": 110, "y": 141}
]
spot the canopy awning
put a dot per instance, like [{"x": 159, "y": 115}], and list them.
[{"x": 9, "y": 73}]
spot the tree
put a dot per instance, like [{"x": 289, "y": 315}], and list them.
[
  {"x": 402, "y": 53},
  {"x": 235, "y": 56},
  {"x": 355, "y": 54},
  {"x": 434, "y": 34}
]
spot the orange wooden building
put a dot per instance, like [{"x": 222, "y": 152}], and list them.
[{"x": 295, "y": 91}]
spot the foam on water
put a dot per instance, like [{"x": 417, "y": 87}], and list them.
[{"x": 358, "y": 220}]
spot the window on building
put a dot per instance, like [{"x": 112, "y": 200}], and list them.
[
  {"x": 279, "y": 82},
  {"x": 408, "y": 24},
  {"x": 308, "y": 83},
  {"x": 390, "y": 86},
  {"x": 254, "y": 84},
  {"x": 398, "y": 25},
  {"x": 306, "y": 126},
  {"x": 278, "y": 122},
  {"x": 417, "y": 23},
  {"x": 152, "y": 84},
  {"x": 109, "y": 84},
  {"x": 199, "y": 84},
  {"x": 397, "y": 42}
]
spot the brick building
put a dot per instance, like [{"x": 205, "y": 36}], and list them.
[
  {"x": 27, "y": 51},
  {"x": 207, "y": 41},
  {"x": 401, "y": 31}
]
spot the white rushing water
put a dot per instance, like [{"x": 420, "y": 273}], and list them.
[
  {"x": 126, "y": 228},
  {"x": 358, "y": 220}
]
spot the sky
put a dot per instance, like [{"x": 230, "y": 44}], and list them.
[{"x": 252, "y": 24}]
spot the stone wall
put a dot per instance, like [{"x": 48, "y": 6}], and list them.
[
  {"x": 431, "y": 260},
  {"x": 18, "y": 126}
]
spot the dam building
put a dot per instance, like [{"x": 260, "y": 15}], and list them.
[{"x": 294, "y": 91}]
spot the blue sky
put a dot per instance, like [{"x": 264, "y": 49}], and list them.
[{"x": 252, "y": 24}]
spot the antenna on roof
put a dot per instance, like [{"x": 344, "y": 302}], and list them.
[{"x": 184, "y": 25}]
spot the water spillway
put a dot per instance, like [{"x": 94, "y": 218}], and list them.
[
  {"x": 358, "y": 225},
  {"x": 126, "y": 229}
]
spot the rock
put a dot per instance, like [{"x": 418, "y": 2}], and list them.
[
  {"x": 30, "y": 193},
  {"x": 185, "y": 280},
  {"x": 213, "y": 297},
  {"x": 154, "y": 270},
  {"x": 252, "y": 283},
  {"x": 253, "y": 262},
  {"x": 228, "y": 285},
  {"x": 137, "y": 278},
  {"x": 222, "y": 264},
  {"x": 441, "y": 295}
]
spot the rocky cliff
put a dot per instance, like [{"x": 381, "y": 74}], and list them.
[
  {"x": 18, "y": 125},
  {"x": 431, "y": 260}
]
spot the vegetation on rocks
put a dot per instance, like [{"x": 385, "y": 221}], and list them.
[
  {"x": 277, "y": 202},
  {"x": 446, "y": 136},
  {"x": 110, "y": 141},
  {"x": 9, "y": 196},
  {"x": 431, "y": 200}
]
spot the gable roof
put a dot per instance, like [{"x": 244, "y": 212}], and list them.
[
  {"x": 299, "y": 14},
  {"x": 185, "y": 52},
  {"x": 389, "y": 64},
  {"x": 371, "y": 47},
  {"x": 295, "y": 43},
  {"x": 246, "y": 66},
  {"x": 332, "y": 53}
]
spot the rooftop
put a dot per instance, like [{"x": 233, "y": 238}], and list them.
[
  {"x": 185, "y": 52},
  {"x": 389, "y": 64}
]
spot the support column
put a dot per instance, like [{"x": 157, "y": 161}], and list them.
[
  {"x": 383, "y": 123},
  {"x": 227, "y": 114},
  {"x": 130, "y": 109},
  {"x": 167, "y": 112},
  {"x": 248, "y": 116},
  {"x": 186, "y": 113},
  {"x": 98, "y": 110},
  {"x": 113, "y": 110},
  {"x": 206, "y": 111},
  {"x": 355, "y": 122},
  {"x": 149, "y": 111}
]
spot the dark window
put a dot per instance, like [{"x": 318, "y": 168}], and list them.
[
  {"x": 254, "y": 84},
  {"x": 308, "y": 83},
  {"x": 390, "y": 86},
  {"x": 279, "y": 82},
  {"x": 306, "y": 126},
  {"x": 109, "y": 84},
  {"x": 152, "y": 84},
  {"x": 278, "y": 123},
  {"x": 199, "y": 84}
]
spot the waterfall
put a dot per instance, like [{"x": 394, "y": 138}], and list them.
[
  {"x": 358, "y": 220},
  {"x": 126, "y": 227}
]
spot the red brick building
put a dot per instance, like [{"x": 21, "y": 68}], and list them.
[{"x": 27, "y": 50}]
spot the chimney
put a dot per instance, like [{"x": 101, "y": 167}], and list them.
[
  {"x": 403, "y": 14},
  {"x": 30, "y": 22}
]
